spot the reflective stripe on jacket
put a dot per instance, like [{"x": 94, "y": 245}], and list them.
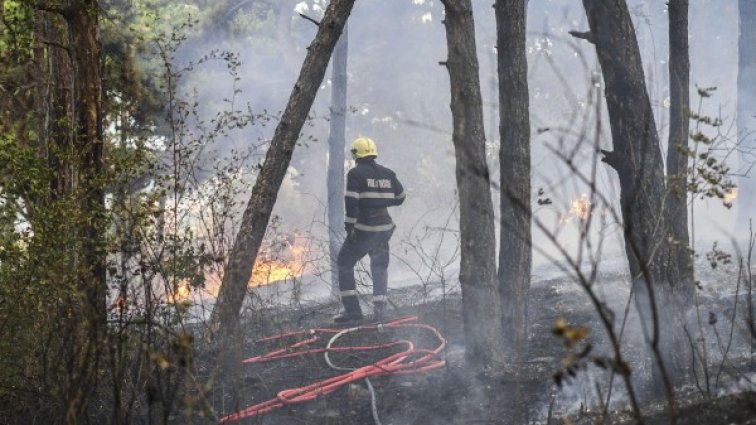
[{"x": 371, "y": 188}]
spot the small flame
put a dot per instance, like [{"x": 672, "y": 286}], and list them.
[
  {"x": 266, "y": 272},
  {"x": 285, "y": 264},
  {"x": 182, "y": 294},
  {"x": 120, "y": 303},
  {"x": 730, "y": 196},
  {"x": 582, "y": 207}
]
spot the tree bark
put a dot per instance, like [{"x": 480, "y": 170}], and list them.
[
  {"x": 746, "y": 113},
  {"x": 679, "y": 120},
  {"x": 85, "y": 44},
  {"x": 336, "y": 142},
  {"x": 515, "y": 258},
  {"x": 75, "y": 150},
  {"x": 515, "y": 236},
  {"x": 481, "y": 304},
  {"x": 225, "y": 315},
  {"x": 58, "y": 107},
  {"x": 42, "y": 82},
  {"x": 660, "y": 295},
  {"x": 61, "y": 134}
]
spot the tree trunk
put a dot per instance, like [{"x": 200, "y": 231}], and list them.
[
  {"x": 42, "y": 82},
  {"x": 60, "y": 142},
  {"x": 85, "y": 43},
  {"x": 660, "y": 294},
  {"x": 73, "y": 146},
  {"x": 83, "y": 25},
  {"x": 336, "y": 142},
  {"x": 515, "y": 257},
  {"x": 679, "y": 119},
  {"x": 481, "y": 305},
  {"x": 225, "y": 315},
  {"x": 746, "y": 122},
  {"x": 57, "y": 105}
]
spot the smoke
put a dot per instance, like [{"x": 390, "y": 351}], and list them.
[{"x": 399, "y": 94}]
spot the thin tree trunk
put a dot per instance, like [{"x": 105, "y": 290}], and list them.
[
  {"x": 746, "y": 114},
  {"x": 636, "y": 156},
  {"x": 477, "y": 275},
  {"x": 85, "y": 44},
  {"x": 515, "y": 257},
  {"x": 638, "y": 161},
  {"x": 515, "y": 254},
  {"x": 60, "y": 135},
  {"x": 225, "y": 315},
  {"x": 83, "y": 24},
  {"x": 42, "y": 76},
  {"x": 679, "y": 119},
  {"x": 336, "y": 142}
]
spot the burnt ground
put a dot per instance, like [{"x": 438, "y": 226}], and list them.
[{"x": 454, "y": 395}]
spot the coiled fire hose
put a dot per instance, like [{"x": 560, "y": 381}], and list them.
[{"x": 410, "y": 361}]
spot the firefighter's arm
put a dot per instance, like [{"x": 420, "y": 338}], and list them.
[
  {"x": 351, "y": 201},
  {"x": 399, "y": 194}
]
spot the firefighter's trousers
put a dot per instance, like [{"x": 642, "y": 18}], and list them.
[{"x": 356, "y": 246}]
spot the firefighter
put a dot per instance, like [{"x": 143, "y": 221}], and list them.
[{"x": 371, "y": 188}]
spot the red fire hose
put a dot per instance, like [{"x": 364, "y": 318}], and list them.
[{"x": 411, "y": 360}]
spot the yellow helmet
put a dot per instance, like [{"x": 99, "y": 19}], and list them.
[{"x": 363, "y": 147}]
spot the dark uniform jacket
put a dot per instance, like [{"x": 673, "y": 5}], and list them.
[{"x": 371, "y": 188}]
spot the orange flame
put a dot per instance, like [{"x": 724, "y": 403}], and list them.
[
  {"x": 182, "y": 294},
  {"x": 279, "y": 260},
  {"x": 272, "y": 267}
]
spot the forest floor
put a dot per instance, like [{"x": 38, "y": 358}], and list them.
[{"x": 722, "y": 394}]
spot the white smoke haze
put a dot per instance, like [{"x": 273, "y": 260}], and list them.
[{"x": 397, "y": 90}]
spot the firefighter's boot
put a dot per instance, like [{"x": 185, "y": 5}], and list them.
[{"x": 351, "y": 311}]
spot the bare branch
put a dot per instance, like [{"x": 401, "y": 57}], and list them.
[
  {"x": 585, "y": 35},
  {"x": 611, "y": 158},
  {"x": 309, "y": 19}
]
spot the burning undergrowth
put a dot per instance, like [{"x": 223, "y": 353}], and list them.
[
  {"x": 283, "y": 262},
  {"x": 285, "y": 257}
]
